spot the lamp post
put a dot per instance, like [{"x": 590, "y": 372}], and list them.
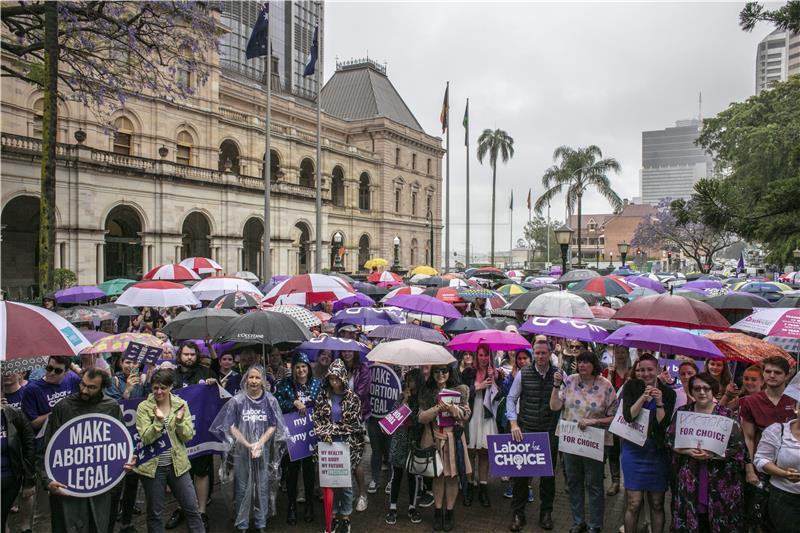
[
  {"x": 796, "y": 254},
  {"x": 623, "y": 251},
  {"x": 396, "y": 264},
  {"x": 610, "y": 259},
  {"x": 563, "y": 238},
  {"x": 337, "y": 244}
]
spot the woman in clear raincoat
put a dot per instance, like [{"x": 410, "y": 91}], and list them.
[{"x": 252, "y": 424}]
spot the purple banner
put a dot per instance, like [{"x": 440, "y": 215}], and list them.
[
  {"x": 88, "y": 454},
  {"x": 529, "y": 458},
  {"x": 303, "y": 440}
]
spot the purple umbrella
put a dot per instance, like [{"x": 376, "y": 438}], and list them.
[
  {"x": 358, "y": 299},
  {"x": 665, "y": 340},
  {"x": 566, "y": 328},
  {"x": 94, "y": 336},
  {"x": 277, "y": 278},
  {"x": 703, "y": 284},
  {"x": 407, "y": 331},
  {"x": 79, "y": 294},
  {"x": 647, "y": 283},
  {"x": 312, "y": 347},
  {"x": 420, "y": 303},
  {"x": 364, "y": 316}
]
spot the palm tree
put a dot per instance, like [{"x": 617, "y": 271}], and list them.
[
  {"x": 578, "y": 170},
  {"x": 495, "y": 143}
]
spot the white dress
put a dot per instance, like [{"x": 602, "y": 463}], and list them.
[{"x": 480, "y": 427}]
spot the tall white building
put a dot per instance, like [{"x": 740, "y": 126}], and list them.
[
  {"x": 671, "y": 162},
  {"x": 772, "y": 59}
]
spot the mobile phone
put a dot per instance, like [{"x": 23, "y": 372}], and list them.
[{"x": 135, "y": 371}]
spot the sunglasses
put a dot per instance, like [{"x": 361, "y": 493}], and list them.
[
  {"x": 54, "y": 370},
  {"x": 702, "y": 389},
  {"x": 440, "y": 371}
]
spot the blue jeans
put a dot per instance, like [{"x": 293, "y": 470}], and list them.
[
  {"x": 585, "y": 474},
  {"x": 343, "y": 501},
  {"x": 250, "y": 483},
  {"x": 183, "y": 490}
]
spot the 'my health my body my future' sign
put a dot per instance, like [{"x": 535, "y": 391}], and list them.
[{"x": 88, "y": 454}]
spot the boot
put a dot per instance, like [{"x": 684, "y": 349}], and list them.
[
  {"x": 308, "y": 515},
  {"x": 448, "y": 524},
  {"x": 468, "y": 493},
  {"x": 291, "y": 514},
  {"x": 483, "y": 495},
  {"x": 438, "y": 519}
]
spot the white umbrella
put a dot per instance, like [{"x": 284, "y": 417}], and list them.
[
  {"x": 249, "y": 276},
  {"x": 157, "y": 294},
  {"x": 303, "y": 315},
  {"x": 202, "y": 265},
  {"x": 214, "y": 287},
  {"x": 410, "y": 352},
  {"x": 416, "y": 278},
  {"x": 561, "y": 304}
]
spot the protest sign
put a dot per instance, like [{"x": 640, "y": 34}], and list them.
[
  {"x": 384, "y": 390},
  {"x": 395, "y": 419},
  {"x": 334, "y": 464},
  {"x": 142, "y": 353},
  {"x": 636, "y": 431},
  {"x": 302, "y": 439},
  {"x": 699, "y": 430},
  {"x": 444, "y": 418},
  {"x": 587, "y": 442},
  {"x": 528, "y": 458},
  {"x": 672, "y": 366},
  {"x": 88, "y": 454}
]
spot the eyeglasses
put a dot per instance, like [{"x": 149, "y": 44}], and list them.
[
  {"x": 55, "y": 370},
  {"x": 441, "y": 371},
  {"x": 702, "y": 389}
]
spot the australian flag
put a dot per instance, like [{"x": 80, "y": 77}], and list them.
[
  {"x": 311, "y": 63},
  {"x": 258, "y": 45}
]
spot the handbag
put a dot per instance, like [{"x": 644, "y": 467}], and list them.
[{"x": 425, "y": 462}]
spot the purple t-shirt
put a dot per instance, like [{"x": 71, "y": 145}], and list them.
[
  {"x": 336, "y": 407},
  {"x": 5, "y": 467},
  {"x": 40, "y": 396},
  {"x": 14, "y": 399}
]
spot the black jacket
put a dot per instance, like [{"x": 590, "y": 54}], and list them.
[
  {"x": 534, "y": 400},
  {"x": 20, "y": 445},
  {"x": 632, "y": 390}
]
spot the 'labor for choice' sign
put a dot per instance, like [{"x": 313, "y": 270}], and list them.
[
  {"x": 88, "y": 454},
  {"x": 528, "y": 458}
]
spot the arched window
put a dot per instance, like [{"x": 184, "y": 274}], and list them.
[
  {"x": 274, "y": 165},
  {"x": 123, "y": 136},
  {"x": 337, "y": 187},
  {"x": 196, "y": 240},
  {"x": 183, "y": 155},
  {"x": 252, "y": 246},
  {"x": 363, "y": 250},
  {"x": 229, "y": 157},
  {"x": 414, "y": 252},
  {"x": 307, "y": 173},
  {"x": 38, "y": 117},
  {"x": 123, "y": 244},
  {"x": 363, "y": 191},
  {"x": 20, "y": 250}
]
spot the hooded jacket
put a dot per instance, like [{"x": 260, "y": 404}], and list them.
[{"x": 349, "y": 428}]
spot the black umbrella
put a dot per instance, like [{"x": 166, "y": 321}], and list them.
[
  {"x": 502, "y": 322},
  {"x": 609, "y": 323},
  {"x": 433, "y": 281},
  {"x": 467, "y": 324},
  {"x": 792, "y": 300},
  {"x": 118, "y": 309},
  {"x": 591, "y": 298},
  {"x": 521, "y": 302},
  {"x": 578, "y": 274},
  {"x": 395, "y": 332},
  {"x": 265, "y": 328},
  {"x": 373, "y": 291},
  {"x": 199, "y": 324},
  {"x": 738, "y": 301},
  {"x": 235, "y": 300}
]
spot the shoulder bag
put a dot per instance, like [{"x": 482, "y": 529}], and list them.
[{"x": 425, "y": 462}]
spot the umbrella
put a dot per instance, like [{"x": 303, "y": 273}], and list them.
[
  {"x": 247, "y": 276},
  {"x": 473, "y": 293},
  {"x": 741, "y": 347},
  {"x": 578, "y": 330},
  {"x": 692, "y": 294},
  {"x": 622, "y": 271},
  {"x": 521, "y": 302},
  {"x": 377, "y": 262},
  {"x": 365, "y": 316},
  {"x": 648, "y": 283},
  {"x": 202, "y": 265},
  {"x": 790, "y": 300},
  {"x": 615, "y": 302},
  {"x": 665, "y": 340},
  {"x": 114, "y": 287},
  {"x": 28, "y": 331},
  {"x": 389, "y": 284},
  {"x": 512, "y": 290},
  {"x": 777, "y": 322},
  {"x": 199, "y": 324},
  {"x": 445, "y": 294},
  {"x": 639, "y": 291},
  {"x": 94, "y": 336},
  {"x": 756, "y": 286},
  {"x": 313, "y": 346},
  {"x": 79, "y": 294},
  {"x": 695, "y": 276},
  {"x": 702, "y": 284},
  {"x": 171, "y": 273},
  {"x": 120, "y": 341},
  {"x": 787, "y": 343},
  {"x": 407, "y": 331},
  {"x": 602, "y": 312},
  {"x": 668, "y": 310},
  {"x": 737, "y": 305},
  {"x": 308, "y": 289},
  {"x": 609, "y": 324},
  {"x": 540, "y": 280},
  {"x": 467, "y": 324},
  {"x": 369, "y": 289},
  {"x": 424, "y": 269},
  {"x": 591, "y": 298},
  {"x": 277, "y": 278},
  {"x": 301, "y": 314},
  {"x": 358, "y": 300},
  {"x": 235, "y": 300},
  {"x": 339, "y": 275},
  {"x": 386, "y": 275},
  {"x": 577, "y": 275},
  {"x": 410, "y": 352},
  {"x": 81, "y": 313},
  {"x": 488, "y": 273},
  {"x": 214, "y": 287},
  {"x": 515, "y": 274},
  {"x": 423, "y": 304},
  {"x": 157, "y": 294},
  {"x": 493, "y": 338},
  {"x": 605, "y": 285},
  {"x": 118, "y": 309},
  {"x": 402, "y": 290},
  {"x": 559, "y": 304},
  {"x": 264, "y": 328},
  {"x": 440, "y": 281},
  {"x": 416, "y": 278}
]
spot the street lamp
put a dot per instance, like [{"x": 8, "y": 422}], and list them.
[
  {"x": 610, "y": 259},
  {"x": 623, "y": 251},
  {"x": 563, "y": 238},
  {"x": 796, "y": 254},
  {"x": 396, "y": 264},
  {"x": 337, "y": 244}
]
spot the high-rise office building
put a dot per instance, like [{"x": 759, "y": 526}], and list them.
[
  {"x": 793, "y": 45},
  {"x": 671, "y": 162},
  {"x": 291, "y": 28},
  {"x": 772, "y": 59}
]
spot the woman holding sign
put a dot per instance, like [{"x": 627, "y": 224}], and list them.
[
  {"x": 646, "y": 467},
  {"x": 709, "y": 494}
]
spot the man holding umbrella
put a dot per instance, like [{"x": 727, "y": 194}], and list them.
[{"x": 532, "y": 387}]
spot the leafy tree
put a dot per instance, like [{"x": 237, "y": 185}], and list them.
[
  {"x": 785, "y": 18},
  {"x": 678, "y": 226},
  {"x": 536, "y": 231},
  {"x": 495, "y": 143},
  {"x": 578, "y": 170},
  {"x": 64, "y": 278},
  {"x": 756, "y": 149},
  {"x": 100, "y": 54}
]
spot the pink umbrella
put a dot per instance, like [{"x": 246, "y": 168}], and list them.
[
  {"x": 389, "y": 284},
  {"x": 202, "y": 265},
  {"x": 28, "y": 331},
  {"x": 157, "y": 294},
  {"x": 494, "y": 339},
  {"x": 171, "y": 273},
  {"x": 602, "y": 312}
]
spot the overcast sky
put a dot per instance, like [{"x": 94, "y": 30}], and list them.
[{"x": 549, "y": 74}]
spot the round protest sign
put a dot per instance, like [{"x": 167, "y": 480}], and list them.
[
  {"x": 384, "y": 391},
  {"x": 88, "y": 454}
]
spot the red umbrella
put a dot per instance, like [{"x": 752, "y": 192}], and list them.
[
  {"x": 445, "y": 294},
  {"x": 28, "y": 331},
  {"x": 673, "y": 311},
  {"x": 605, "y": 285},
  {"x": 375, "y": 277}
]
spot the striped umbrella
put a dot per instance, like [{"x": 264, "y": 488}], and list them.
[
  {"x": 28, "y": 331},
  {"x": 171, "y": 273},
  {"x": 511, "y": 290},
  {"x": 157, "y": 294},
  {"x": 120, "y": 341},
  {"x": 386, "y": 275},
  {"x": 202, "y": 265},
  {"x": 214, "y": 287},
  {"x": 396, "y": 332},
  {"x": 236, "y": 300},
  {"x": 402, "y": 290},
  {"x": 309, "y": 289},
  {"x": 605, "y": 285}
]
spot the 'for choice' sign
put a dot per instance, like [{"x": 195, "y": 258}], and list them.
[{"x": 699, "y": 430}]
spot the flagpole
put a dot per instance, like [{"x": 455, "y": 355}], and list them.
[
  {"x": 548, "y": 233},
  {"x": 318, "y": 262},
  {"x": 267, "y": 260},
  {"x": 466, "y": 143},
  {"x": 447, "y": 191},
  {"x": 511, "y": 230}
]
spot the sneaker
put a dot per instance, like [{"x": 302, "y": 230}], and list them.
[
  {"x": 530, "y": 496},
  {"x": 361, "y": 506},
  {"x": 414, "y": 515},
  {"x": 385, "y": 467},
  {"x": 344, "y": 526},
  {"x": 301, "y": 499},
  {"x": 388, "y": 489},
  {"x": 372, "y": 488},
  {"x": 391, "y": 517},
  {"x": 509, "y": 492},
  {"x": 425, "y": 500}
]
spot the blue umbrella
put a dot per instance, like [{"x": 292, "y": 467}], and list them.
[
  {"x": 334, "y": 344},
  {"x": 365, "y": 316}
]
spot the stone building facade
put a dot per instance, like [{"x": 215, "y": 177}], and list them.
[{"x": 162, "y": 181}]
